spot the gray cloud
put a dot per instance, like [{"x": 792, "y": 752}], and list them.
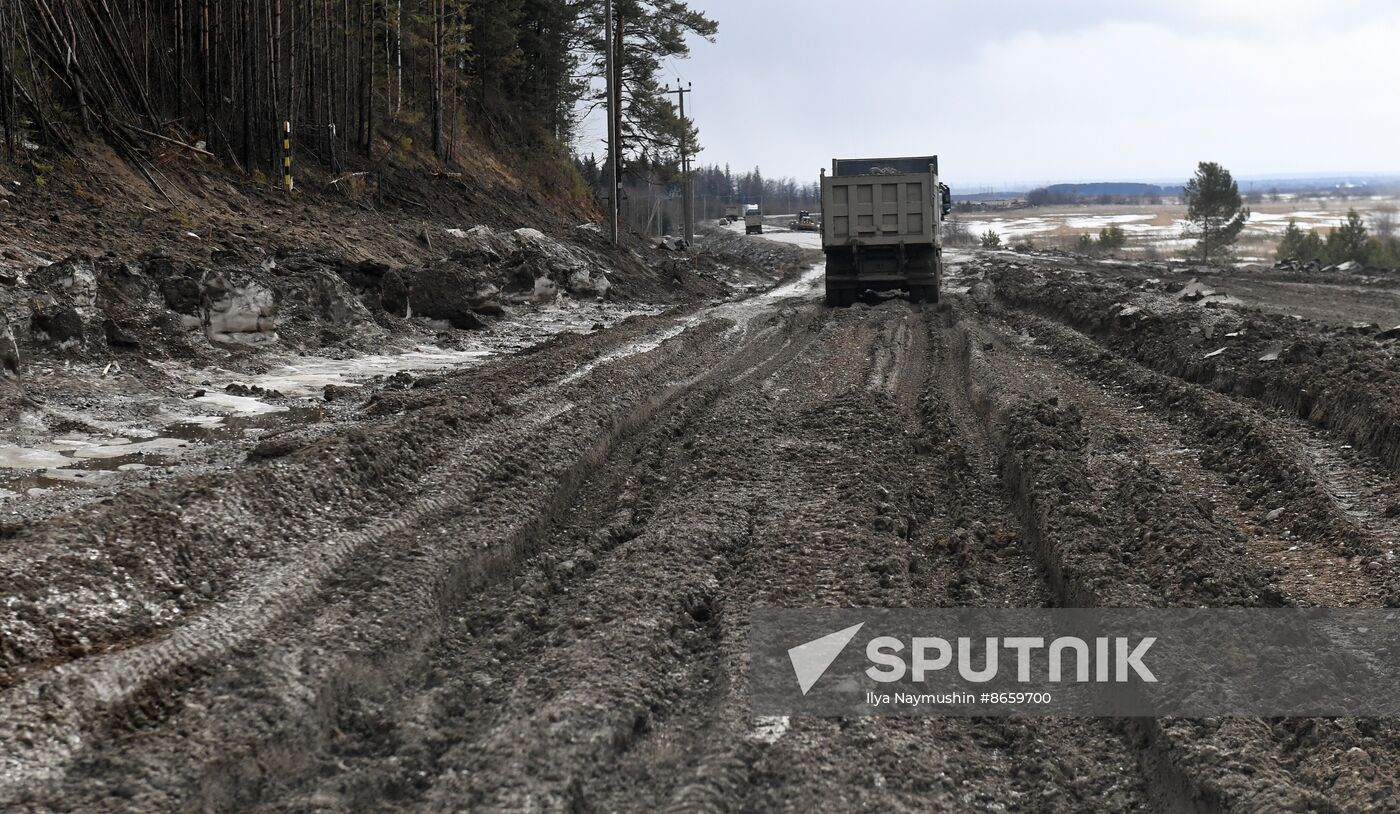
[{"x": 1024, "y": 92}]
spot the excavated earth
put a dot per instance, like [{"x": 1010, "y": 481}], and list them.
[{"x": 527, "y": 586}]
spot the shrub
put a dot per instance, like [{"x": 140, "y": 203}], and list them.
[
  {"x": 1348, "y": 241},
  {"x": 1112, "y": 237}
]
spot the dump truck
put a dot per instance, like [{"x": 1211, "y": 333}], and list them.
[
  {"x": 753, "y": 220},
  {"x": 881, "y": 223},
  {"x": 804, "y": 222},
  {"x": 732, "y": 213}
]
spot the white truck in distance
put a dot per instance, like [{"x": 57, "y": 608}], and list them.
[{"x": 753, "y": 220}]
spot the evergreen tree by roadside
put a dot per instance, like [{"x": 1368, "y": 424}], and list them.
[
  {"x": 350, "y": 76},
  {"x": 1299, "y": 245},
  {"x": 1215, "y": 210},
  {"x": 648, "y": 34},
  {"x": 1348, "y": 242}
]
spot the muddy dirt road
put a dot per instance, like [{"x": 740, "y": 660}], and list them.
[{"x": 528, "y": 589}]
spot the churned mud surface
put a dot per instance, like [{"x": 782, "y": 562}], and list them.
[{"x": 525, "y": 585}]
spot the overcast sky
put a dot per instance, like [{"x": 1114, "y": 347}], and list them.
[{"x": 1014, "y": 92}]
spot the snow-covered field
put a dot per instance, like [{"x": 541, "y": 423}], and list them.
[{"x": 1159, "y": 227}]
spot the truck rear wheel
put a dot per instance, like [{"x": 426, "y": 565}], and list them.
[
  {"x": 923, "y": 293},
  {"x": 839, "y": 297}
]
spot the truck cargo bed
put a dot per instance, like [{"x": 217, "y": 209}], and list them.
[{"x": 880, "y": 227}]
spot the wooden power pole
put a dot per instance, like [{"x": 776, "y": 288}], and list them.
[
  {"x": 614, "y": 154},
  {"x": 688, "y": 184}
]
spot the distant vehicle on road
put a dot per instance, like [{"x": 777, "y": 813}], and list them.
[
  {"x": 753, "y": 220},
  {"x": 881, "y": 227},
  {"x": 732, "y": 213},
  {"x": 804, "y": 222}
]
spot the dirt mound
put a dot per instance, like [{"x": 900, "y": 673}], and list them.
[{"x": 1344, "y": 381}]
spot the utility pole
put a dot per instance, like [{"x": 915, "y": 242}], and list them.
[
  {"x": 614, "y": 181},
  {"x": 688, "y": 191}
]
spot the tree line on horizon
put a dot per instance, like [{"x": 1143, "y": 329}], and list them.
[{"x": 651, "y": 191}]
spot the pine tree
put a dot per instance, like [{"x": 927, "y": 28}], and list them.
[
  {"x": 1347, "y": 242},
  {"x": 649, "y": 32},
  {"x": 1291, "y": 243},
  {"x": 1215, "y": 210}
]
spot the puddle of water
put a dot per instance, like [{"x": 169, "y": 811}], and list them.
[
  {"x": 122, "y": 448},
  {"x": 215, "y": 428},
  {"x": 238, "y": 404},
  {"x": 78, "y": 461},
  {"x": 13, "y": 457},
  {"x": 650, "y": 343},
  {"x": 84, "y": 460},
  {"x": 53, "y": 480},
  {"x": 308, "y": 378},
  {"x": 740, "y": 311}
]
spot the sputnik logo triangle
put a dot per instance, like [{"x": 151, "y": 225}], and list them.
[{"x": 810, "y": 660}]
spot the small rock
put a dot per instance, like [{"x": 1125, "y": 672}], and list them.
[
  {"x": 252, "y": 390},
  {"x": 117, "y": 336},
  {"x": 1274, "y": 515},
  {"x": 182, "y": 295},
  {"x": 338, "y": 392},
  {"x": 270, "y": 448},
  {"x": 393, "y": 293},
  {"x": 58, "y": 324}
]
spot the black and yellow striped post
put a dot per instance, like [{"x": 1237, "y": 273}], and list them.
[{"x": 287, "y": 156}]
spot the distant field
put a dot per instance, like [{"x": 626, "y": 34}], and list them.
[{"x": 1158, "y": 229}]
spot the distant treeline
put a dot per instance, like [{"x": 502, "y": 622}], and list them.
[
  {"x": 652, "y": 191},
  {"x": 1100, "y": 193},
  {"x": 1138, "y": 193}
]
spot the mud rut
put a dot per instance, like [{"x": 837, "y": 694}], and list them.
[{"x": 554, "y": 617}]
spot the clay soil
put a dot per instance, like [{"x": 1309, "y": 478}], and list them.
[{"x": 527, "y": 585}]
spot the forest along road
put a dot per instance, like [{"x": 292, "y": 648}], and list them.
[{"x": 529, "y": 590}]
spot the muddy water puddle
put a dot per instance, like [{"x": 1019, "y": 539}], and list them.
[
  {"x": 289, "y": 393},
  {"x": 77, "y": 462}
]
